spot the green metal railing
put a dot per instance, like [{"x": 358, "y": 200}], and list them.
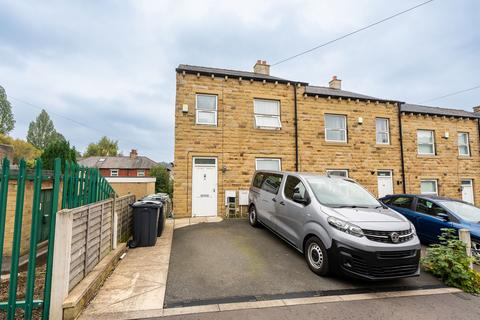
[{"x": 81, "y": 186}]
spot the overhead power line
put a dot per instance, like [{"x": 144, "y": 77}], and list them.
[
  {"x": 70, "y": 119},
  {"x": 451, "y": 94},
  {"x": 351, "y": 33}
]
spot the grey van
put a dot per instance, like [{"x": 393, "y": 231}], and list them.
[{"x": 336, "y": 223}]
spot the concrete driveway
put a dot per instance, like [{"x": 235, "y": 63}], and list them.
[{"x": 230, "y": 261}]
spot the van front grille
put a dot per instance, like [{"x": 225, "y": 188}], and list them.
[{"x": 386, "y": 236}]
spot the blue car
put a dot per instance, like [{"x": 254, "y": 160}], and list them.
[{"x": 429, "y": 214}]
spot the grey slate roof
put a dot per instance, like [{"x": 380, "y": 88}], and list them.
[
  {"x": 245, "y": 75},
  {"x": 329, "y": 92},
  {"x": 415, "y": 108},
  {"x": 121, "y": 162}
]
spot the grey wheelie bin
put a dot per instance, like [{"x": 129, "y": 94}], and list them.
[{"x": 146, "y": 221}]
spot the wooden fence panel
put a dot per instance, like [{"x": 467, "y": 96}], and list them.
[{"x": 92, "y": 234}]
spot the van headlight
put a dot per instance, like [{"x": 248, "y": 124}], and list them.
[
  {"x": 345, "y": 226},
  {"x": 413, "y": 228}
]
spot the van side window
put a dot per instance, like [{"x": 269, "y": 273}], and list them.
[
  {"x": 293, "y": 185},
  {"x": 272, "y": 183},
  {"x": 257, "y": 181},
  {"x": 402, "y": 202}
]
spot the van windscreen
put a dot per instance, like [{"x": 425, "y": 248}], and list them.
[{"x": 337, "y": 192}]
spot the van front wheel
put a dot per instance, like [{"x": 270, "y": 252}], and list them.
[
  {"x": 316, "y": 256},
  {"x": 252, "y": 216}
]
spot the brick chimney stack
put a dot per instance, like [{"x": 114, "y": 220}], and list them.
[
  {"x": 335, "y": 83},
  {"x": 262, "y": 67},
  {"x": 133, "y": 153},
  {"x": 476, "y": 109}
]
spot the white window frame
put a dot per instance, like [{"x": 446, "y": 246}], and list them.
[
  {"x": 269, "y": 159},
  {"x": 330, "y": 171},
  {"x": 326, "y": 129},
  {"x": 464, "y": 145},
  {"x": 433, "y": 143},
  {"x": 140, "y": 173},
  {"x": 206, "y": 111},
  {"x": 387, "y": 132},
  {"x": 258, "y": 115},
  {"x": 429, "y": 193},
  {"x": 116, "y": 174}
]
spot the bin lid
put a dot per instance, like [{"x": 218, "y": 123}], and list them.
[{"x": 147, "y": 204}]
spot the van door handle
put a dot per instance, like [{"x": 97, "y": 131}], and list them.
[
  {"x": 274, "y": 200},
  {"x": 282, "y": 203}
]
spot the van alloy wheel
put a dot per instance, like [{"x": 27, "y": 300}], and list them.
[
  {"x": 476, "y": 249},
  {"x": 315, "y": 255}
]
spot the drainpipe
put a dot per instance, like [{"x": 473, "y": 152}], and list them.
[
  {"x": 401, "y": 146},
  {"x": 295, "y": 124}
]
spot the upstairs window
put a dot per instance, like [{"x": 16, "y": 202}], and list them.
[
  {"x": 426, "y": 142},
  {"x": 335, "y": 128},
  {"x": 206, "y": 109},
  {"x": 383, "y": 130},
  {"x": 114, "y": 172},
  {"x": 463, "y": 144},
  {"x": 140, "y": 173},
  {"x": 267, "y": 114}
]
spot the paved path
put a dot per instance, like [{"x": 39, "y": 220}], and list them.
[
  {"x": 459, "y": 306},
  {"x": 137, "y": 286}
]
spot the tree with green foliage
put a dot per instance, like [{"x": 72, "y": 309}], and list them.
[
  {"x": 163, "y": 182},
  {"x": 58, "y": 149},
  {"x": 7, "y": 122},
  {"x": 104, "y": 147},
  {"x": 41, "y": 132}
]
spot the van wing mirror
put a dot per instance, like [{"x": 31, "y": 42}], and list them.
[{"x": 299, "y": 199}]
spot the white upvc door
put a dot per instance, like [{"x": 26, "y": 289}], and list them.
[
  {"x": 385, "y": 183},
  {"x": 204, "y": 187},
  {"x": 467, "y": 190}
]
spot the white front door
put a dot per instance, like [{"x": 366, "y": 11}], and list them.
[
  {"x": 204, "y": 187},
  {"x": 467, "y": 191},
  {"x": 385, "y": 183}
]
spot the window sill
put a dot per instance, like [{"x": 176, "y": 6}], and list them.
[
  {"x": 465, "y": 157},
  {"x": 267, "y": 129},
  {"x": 206, "y": 127},
  {"x": 333, "y": 143},
  {"x": 426, "y": 156},
  {"x": 383, "y": 145}
]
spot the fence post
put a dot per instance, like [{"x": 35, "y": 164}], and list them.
[
  {"x": 62, "y": 254},
  {"x": 114, "y": 224},
  {"x": 464, "y": 236}
]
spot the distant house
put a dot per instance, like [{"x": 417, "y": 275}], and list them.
[
  {"x": 127, "y": 174},
  {"x": 121, "y": 166}
]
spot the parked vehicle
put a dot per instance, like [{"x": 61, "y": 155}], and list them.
[
  {"x": 430, "y": 214},
  {"x": 336, "y": 224}
]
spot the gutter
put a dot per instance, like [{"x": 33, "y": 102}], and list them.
[
  {"x": 295, "y": 122},
  {"x": 404, "y": 187}
]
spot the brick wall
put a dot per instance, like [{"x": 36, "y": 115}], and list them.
[
  {"x": 446, "y": 166},
  {"x": 360, "y": 155},
  {"x": 236, "y": 143}
]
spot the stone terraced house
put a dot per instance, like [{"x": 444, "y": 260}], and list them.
[{"x": 230, "y": 123}]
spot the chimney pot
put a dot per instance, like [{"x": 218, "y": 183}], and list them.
[
  {"x": 335, "y": 83},
  {"x": 476, "y": 109},
  {"x": 133, "y": 153},
  {"x": 262, "y": 67}
]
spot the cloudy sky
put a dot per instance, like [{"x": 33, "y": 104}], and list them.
[{"x": 108, "y": 67}]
